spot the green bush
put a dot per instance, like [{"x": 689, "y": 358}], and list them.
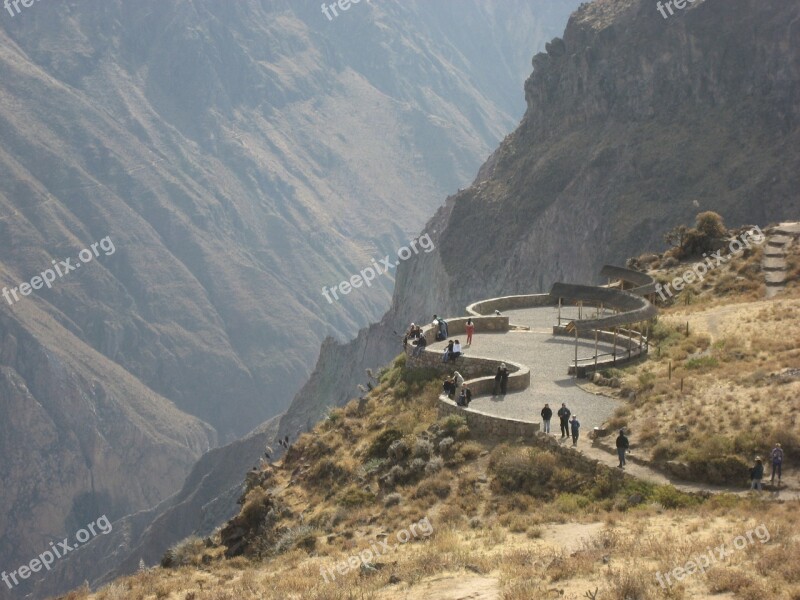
[
  {"x": 380, "y": 445},
  {"x": 450, "y": 424},
  {"x": 355, "y": 496},
  {"x": 670, "y": 497},
  {"x": 571, "y": 503},
  {"x": 703, "y": 362}
]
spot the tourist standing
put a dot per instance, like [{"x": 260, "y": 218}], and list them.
[
  {"x": 470, "y": 327},
  {"x": 777, "y": 462},
  {"x": 442, "y": 325},
  {"x": 576, "y": 427},
  {"x": 756, "y": 474},
  {"x": 497, "y": 378},
  {"x": 503, "y": 379},
  {"x": 622, "y": 447},
  {"x": 563, "y": 416},
  {"x": 459, "y": 381},
  {"x": 547, "y": 414}
]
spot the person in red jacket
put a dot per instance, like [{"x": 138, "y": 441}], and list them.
[{"x": 470, "y": 327}]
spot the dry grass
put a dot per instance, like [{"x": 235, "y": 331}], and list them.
[{"x": 527, "y": 522}]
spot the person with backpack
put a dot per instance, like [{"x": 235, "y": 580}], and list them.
[
  {"x": 465, "y": 397},
  {"x": 622, "y": 447},
  {"x": 777, "y": 462},
  {"x": 547, "y": 414},
  {"x": 563, "y": 415},
  {"x": 442, "y": 325},
  {"x": 576, "y": 426},
  {"x": 756, "y": 475},
  {"x": 470, "y": 327}
]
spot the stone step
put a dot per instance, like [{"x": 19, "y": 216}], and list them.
[
  {"x": 775, "y": 276},
  {"x": 788, "y": 229}
]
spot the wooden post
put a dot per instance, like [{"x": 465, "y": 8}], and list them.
[
  {"x": 596, "y": 334},
  {"x": 630, "y": 340},
  {"x": 687, "y": 328},
  {"x": 576, "y": 352},
  {"x": 580, "y": 309},
  {"x": 614, "y": 355},
  {"x": 641, "y": 341},
  {"x": 647, "y": 337},
  {"x": 681, "y": 385},
  {"x": 559, "y": 312}
]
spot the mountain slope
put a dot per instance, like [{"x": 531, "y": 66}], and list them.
[
  {"x": 633, "y": 125},
  {"x": 239, "y": 157}
]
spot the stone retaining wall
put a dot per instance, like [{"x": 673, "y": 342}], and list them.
[
  {"x": 485, "y": 307},
  {"x": 484, "y": 425}
]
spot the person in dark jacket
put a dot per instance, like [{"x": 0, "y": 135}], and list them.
[
  {"x": 547, "y": 414},
  {"x": 756, "y": 475},
  {"x": 576, "y": 427},
  {"x": 622, "y": 447},
  {"x": 420, "y": 346},
  {"x": 498, "y": 378},
  {"x": 563, "y": 415},
  {"x": 449, "y": 386},
  {"x": 503, "y": 380},
  {"x": 447, "y": 351}
]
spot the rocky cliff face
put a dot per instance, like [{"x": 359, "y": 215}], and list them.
[
  {"x": 634, "y": 124},
  {"x": 240, "y": 156}
]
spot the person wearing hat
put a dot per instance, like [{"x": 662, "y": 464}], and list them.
[
  {"x": 575, "y": 426},
  {"x": 777, "y": 461},
  {"x": 622, "y": 447},
  {"x": 756, "y": 474}
]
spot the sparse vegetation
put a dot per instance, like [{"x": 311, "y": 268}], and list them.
[{"x": 524, "y": 514}]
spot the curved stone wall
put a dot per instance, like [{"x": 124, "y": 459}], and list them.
[{"x": 642, "y": 284}]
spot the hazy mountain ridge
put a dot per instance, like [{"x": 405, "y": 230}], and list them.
[{"x": 240, "y": 157}]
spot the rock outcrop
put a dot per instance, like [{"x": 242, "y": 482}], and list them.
[{"x": 633, "y": 124}]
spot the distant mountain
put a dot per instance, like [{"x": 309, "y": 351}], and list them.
[
  {"x": 635, "y": 123},
  {"x": 240, "y": 156}
]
